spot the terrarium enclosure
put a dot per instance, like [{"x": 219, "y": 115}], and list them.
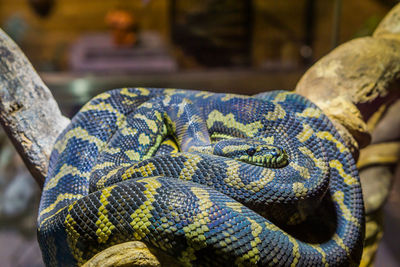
[{"x": 83, "y": 48}]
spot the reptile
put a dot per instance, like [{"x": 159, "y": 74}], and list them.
[{"x": 210, "y": 179}]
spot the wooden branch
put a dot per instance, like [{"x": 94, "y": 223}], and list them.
[
  {"x": 356, "y": 78},
  {"x": 28, "y": 112},
  {"x": 133, "y": 253}
]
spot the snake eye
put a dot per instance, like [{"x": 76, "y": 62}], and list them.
[{"x": 251, "y": 151}]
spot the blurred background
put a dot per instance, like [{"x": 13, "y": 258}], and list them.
[{"x": 82, "y": 48}]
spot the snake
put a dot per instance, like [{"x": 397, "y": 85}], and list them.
[{"x": 209, "y": 179}]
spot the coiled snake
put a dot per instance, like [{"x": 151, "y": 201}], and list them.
[{"x": 210, "y": 179}]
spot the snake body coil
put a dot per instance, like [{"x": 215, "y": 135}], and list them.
[{"x": 210, "y": 179}]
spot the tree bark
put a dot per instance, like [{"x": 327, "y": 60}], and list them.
[
  {"x": 357, "y": 78},
  {"x": 28, "y": 112}
]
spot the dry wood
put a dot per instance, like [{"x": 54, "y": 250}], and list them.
[
  {"x": 356, "y": 78},
  {"x": 133, "y": 253},
  {"x": 28, "y": 112}
]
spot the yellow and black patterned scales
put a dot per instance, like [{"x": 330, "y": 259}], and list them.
[{"x": 210, "y": 179}]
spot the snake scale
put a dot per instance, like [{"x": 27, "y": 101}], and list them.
[{"x": 209, "y": 179}]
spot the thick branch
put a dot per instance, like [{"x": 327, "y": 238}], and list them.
[
  {"x": 28, "y": 112},
  {"x": 133, "y": 254},
  {"x": 355, "y": 79}
]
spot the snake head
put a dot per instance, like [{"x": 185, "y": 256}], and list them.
[{"x": 252, "y": 151}]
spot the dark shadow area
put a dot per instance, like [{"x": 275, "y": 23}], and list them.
[{"x": 318, "y": 227}]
